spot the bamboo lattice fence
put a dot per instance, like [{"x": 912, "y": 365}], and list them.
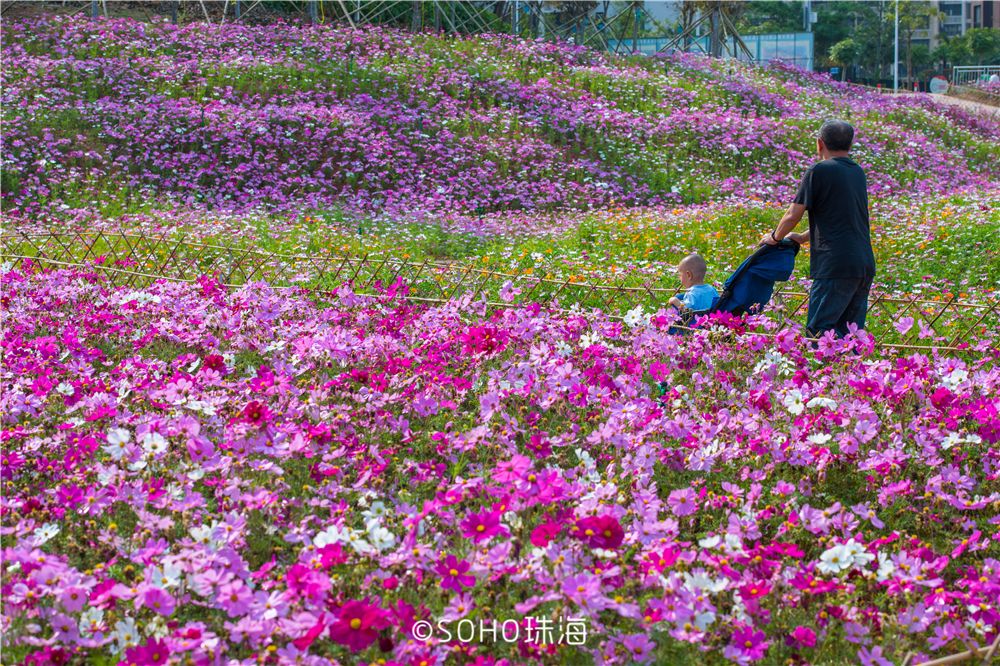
[{"x": 138, "y": 259}]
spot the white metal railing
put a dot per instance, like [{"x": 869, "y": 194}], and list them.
[{"x": 973, "y": 75}]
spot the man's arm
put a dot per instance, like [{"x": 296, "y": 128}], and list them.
[{"x": 788, "y": 222}]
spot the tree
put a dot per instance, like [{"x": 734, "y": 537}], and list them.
[
  {"x": 922, "y": 61},
  {"x": 984, "y": 45},
  {"x": 978, "y": 46},
  {"x": 769, "y": 16},
  {"x": 864, "y": 22},
  {"x": 913, "y": 16},
  {"x": 954, "y": 51},
  {"x": 845, "y": 53}
]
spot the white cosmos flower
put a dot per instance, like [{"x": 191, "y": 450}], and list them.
[
  {"x": 793, "y": 402},
  {"x": 91, "y": 620},
  {"x": 886, "y": 568},
  {"x": 635, "y": 317},
  {"x": 381, "y": 538},
  {"x": 702, "y": 581},
  {"x": 822, "y": 402},
  {"x": 588, "y": 340},
  {"x": 859, "y": 555},
  {"x": 332, "y": 535},
  {"x": 361, "y": 546},
  {"x": 45, "y": 533},
  {"x": 951, "y": 440},
  {"x": 154, "y": 443},
  {"x": 206, "y": 534},
  {"x": 836, "y": 559},
  {"x": 820, "y": 438},
  {"x": 375, "y": 512},
  {"x": 955, "y": 378},
  {"x": 126, "y": 634},
  {"x": 709, "y": 542},
  {"x": 167, "y": 576},
  {"x": 703, "y": 620},
  {"x": 119, "y": 436}
]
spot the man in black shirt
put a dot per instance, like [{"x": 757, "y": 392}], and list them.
[{"x": 841, "y": 264}]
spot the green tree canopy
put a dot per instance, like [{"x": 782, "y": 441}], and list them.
[{"x": 845, "y": 53}]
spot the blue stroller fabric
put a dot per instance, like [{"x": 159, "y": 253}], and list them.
[{"x": 751, "y": 285}]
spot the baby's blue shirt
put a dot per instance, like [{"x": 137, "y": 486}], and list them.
[{"x": 700, "y": 296}]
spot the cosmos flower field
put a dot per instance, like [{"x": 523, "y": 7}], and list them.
[{"x": 196, "y": 473}]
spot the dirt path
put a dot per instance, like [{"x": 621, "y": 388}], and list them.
[{"x": 968, "y": 104}]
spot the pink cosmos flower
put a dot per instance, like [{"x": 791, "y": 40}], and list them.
[
  {"x": 683, "y": 502},
  {"x": 158, "y": 601},
  {"x": 215, "y": 362},
  {"x": 73, "y": 599},
  {"x": 307, "y": 582},
  {"x": 452, "y": 572},
  {"x": 304, "y": 641},
  {"x": 873, "y": 657},
  {"x": 235, "y": 597},
  {"x": 639, "y": 647},
  {"x": 358, "y": 625},
  {"x": 584, "y": 590},
  {"x": 482, "y": 526}
]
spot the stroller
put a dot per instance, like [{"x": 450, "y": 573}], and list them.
[
  {"x": 751, "y": 285},
  {"x": 749, "y": 288}
]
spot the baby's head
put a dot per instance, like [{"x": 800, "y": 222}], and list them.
[{"x": 691, "y": 270}]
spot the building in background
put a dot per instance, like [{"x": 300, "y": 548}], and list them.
[
  {"x": 957, "y": 17},
  {"x": 984, "y": 13}
]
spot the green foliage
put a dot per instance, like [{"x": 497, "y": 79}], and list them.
[
  {"x": 845, "y": 52},
  {"x": 770, "y": 16}
]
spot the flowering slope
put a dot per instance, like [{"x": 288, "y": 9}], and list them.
[
  {"x": 189, "y": 472},
  {"x": 118, "y": 115}
]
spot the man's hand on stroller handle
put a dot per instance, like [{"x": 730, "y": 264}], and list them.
[{"x": 788, "y": 222}]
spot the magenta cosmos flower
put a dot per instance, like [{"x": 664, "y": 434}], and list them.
[
  {"x": 600, "y": 531},
  {"x": 482, "y": 526},
  {"x": 358, "y": 625},
  {"x": 153, "y": 653},
  {"x": 747, "y": 644},
  {"x": 452, "y": 572}
]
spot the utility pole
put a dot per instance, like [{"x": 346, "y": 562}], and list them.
[
  {"x": 895, "y": 53},
  {"x": 635, "y": 27}
]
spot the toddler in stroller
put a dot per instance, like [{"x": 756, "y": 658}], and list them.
[
  {"x": 751, "y": 285},
  {"x": 748, "y": 289}
]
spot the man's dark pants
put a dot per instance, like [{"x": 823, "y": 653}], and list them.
[{"x": 836, "y": 302}]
